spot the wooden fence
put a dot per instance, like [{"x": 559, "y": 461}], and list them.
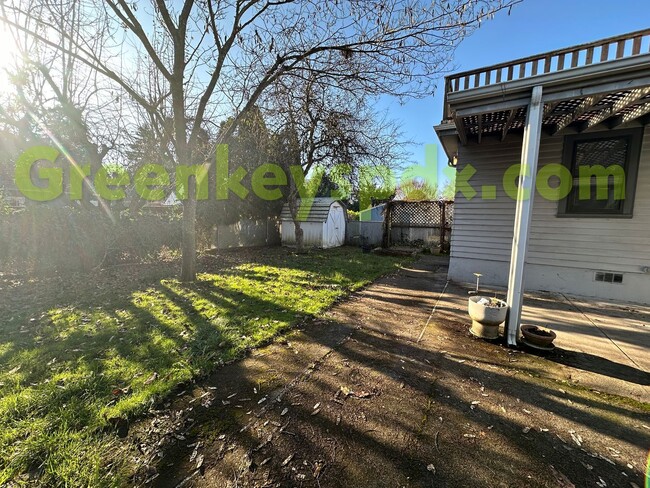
[
  {"x": 364, "y": 233},
  {"x": 248, "y": 233}
]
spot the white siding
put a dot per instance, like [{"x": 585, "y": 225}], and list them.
[
  {"x": 563, "y": 252},
  {"x": 312, "y": 233}
]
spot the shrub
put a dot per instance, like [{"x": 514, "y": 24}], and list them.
[{"x": 46, "y": 239}]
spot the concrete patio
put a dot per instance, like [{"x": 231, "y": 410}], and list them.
[
  {"x": 601, "y": 345},
  {"x": 604, "y": 345}
]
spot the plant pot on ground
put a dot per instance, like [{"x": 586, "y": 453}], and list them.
[
  {"x": 487, "y": 313},
  {"x": 366, "y": 247},
  {"x": 538, "y": 336}
]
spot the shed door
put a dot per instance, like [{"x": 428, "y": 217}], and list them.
[{"x": 336, "y": 231}]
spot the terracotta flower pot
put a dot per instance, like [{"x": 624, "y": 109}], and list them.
[
  {"x": 538, "y": 336},
  {"x": 487, "y": 314}
]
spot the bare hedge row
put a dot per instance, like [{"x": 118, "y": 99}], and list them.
[{"x": 42, "y": 239}]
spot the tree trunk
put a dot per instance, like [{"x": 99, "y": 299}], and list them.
[
  {"x": 299, "y": 234},
  {"x": 188, "y": 245},
  {"x": 184, "y": 154},
  {"x": 293, "y": 208}
]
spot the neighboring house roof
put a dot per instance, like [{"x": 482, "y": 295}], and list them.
[{"x": 318, "y": 209}]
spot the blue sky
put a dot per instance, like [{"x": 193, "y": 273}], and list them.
[{"x": 534, "y": 26}]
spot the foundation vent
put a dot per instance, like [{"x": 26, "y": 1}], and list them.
[{"x": 603, "y": 277}]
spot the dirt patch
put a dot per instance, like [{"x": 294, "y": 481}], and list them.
[{"x": 353, "y": 399}]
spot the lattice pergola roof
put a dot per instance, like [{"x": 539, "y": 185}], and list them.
[
  {"x": 578, "y": 114},
  {"x": 604, "y": 84}
]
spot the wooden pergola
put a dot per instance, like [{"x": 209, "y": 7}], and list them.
[{"x": 603, "y": 84}]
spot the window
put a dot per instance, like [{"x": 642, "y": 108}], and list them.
[{"x": 604, "y": 169}]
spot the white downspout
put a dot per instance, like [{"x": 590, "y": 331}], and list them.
[{"x": 524, "y": 213}]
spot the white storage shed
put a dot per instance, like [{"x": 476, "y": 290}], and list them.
[{"x": 323, "y": 226}]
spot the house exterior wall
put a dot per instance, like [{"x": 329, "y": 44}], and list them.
[{"x": 564, "y": 252}]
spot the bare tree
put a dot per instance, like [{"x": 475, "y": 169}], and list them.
[
  {"x": 208, "y": 56},
  {"x": 61, "y": 98},
  {"x": 336, "y": 133}
]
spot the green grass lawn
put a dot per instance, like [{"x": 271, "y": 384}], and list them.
[{"x": 72, "y": 365}]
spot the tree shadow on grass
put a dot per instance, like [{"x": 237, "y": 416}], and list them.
[{"x": 117, "y": 346}]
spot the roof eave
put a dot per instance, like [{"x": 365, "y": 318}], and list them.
[{"x": 448, "y": 136}]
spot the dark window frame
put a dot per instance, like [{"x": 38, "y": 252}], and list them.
[{"x": 634, "y": 137}]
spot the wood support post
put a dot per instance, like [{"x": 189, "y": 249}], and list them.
[{"x": 524, "y": 213}]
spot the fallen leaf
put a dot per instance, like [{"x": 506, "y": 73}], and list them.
[
  {"x": 606, "y": 459},
  {"x": 562, "y": 480},
  {"x": 576, "y": 438},
  {"x": 287, "y": 460},
  {"x": 195, "y": 452},
  {"x": 151, "y": 379},
  {"x": 364, "y": 394}
]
